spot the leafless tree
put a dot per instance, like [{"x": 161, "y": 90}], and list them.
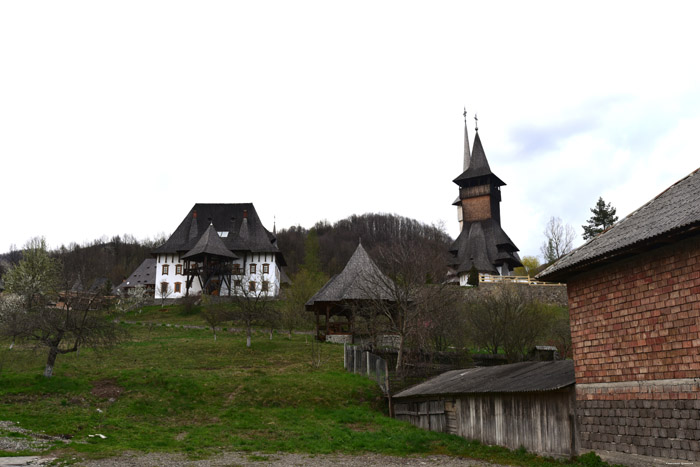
[
  {"x": 559, "y": 240},
  {"x": 411, "y": 294},
  {"x": 215, "y": 312},
  {"x": 163, "y": 292},
  {"x": 508, "y": 319},
  {"x": 252, "y": 301},
  {"x": 64, "y": 326}
]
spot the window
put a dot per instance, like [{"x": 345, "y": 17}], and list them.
[
  {"x": 237, "y": 283},
  {"x": 177, "y": 287},
  {"x": 266, "y": 268},
  {"x": 178, "y": 269},
  {"x": 165, "y": 269},
  {"x": 164, "y": 288},
  {"x": 237, "y": 269},
  {"x": 252, "y": 268},
  {"x": 265, "y": 286},
  {"x": 251, "y": 286}
]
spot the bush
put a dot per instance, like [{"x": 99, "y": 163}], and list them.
[{"x": 189, "y": 304}]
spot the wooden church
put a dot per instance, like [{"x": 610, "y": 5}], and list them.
[{"x": 481, "y": 242}]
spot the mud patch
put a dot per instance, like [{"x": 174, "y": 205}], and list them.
[{"x": 106, "y": 389}]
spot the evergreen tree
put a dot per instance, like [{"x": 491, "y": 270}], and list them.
[{"x": 603, "y": 218}]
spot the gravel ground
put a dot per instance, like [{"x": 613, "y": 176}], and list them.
[{"x": 280, "y": 459}]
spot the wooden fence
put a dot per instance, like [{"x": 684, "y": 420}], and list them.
[
  {"x": 366, "y": 363},
  {"x": 513, "y": 279}
]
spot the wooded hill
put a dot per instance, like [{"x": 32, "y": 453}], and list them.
[{"x": 116, "y": 258}]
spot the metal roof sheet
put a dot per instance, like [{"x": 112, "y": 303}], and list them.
[{"x": 516, "y": 377}]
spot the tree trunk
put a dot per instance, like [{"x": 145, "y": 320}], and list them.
[
  {"x": 399, "y": 356},
  {"x": 290, "y": 334},
  {"x": 50, "y": 362},
  {"x": 248, "y": 337}
]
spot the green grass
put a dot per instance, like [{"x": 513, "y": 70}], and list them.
[{"x": 177, "y": 390}]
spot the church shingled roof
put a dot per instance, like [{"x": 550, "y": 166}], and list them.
[
  {"x": 478, "y": 166},
  {"x": 209, "y": 244},
  {"x": 674, "y": 212},
  {"x": 485, "y": 245},
  {"x": 361, "y": 279},
  {"x": 243, "y": 228},
  {"x": 144, "y": 275}
]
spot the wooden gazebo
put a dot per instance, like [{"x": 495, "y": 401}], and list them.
[{"x": 359, "y": 283}]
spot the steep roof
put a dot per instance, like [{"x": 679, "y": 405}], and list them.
[
  {"x": 672, "y": 214},
  {"x": 239, "y": 222},
  {"x": 361, "y": 279},
  {"x": 209, "y": 244},
  {"x": 484, "y": 244},
  {"x": 478, "y": 166},
  {"x": 144, "y": 275},
  {"x": 516, "y": 377}
]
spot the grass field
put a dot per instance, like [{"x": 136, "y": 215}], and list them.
[{"x": 173, "y": 389}]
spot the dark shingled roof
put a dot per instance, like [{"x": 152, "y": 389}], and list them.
[
  {"x": 244, "y": 229},
  {"x": 478, "y": 166},
  {"x": 672, "y": 214},
  {"x": 516, "y": 377},
  {"x": 485, "y": 244},
  {"x": 209, "y": 244},
  {"x": 144, "y": 275},
  {"x": 361, "y": 279}
]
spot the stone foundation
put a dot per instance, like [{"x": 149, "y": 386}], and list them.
[{"x": 652, "y": 418}]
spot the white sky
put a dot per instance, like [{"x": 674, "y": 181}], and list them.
[{"x": 116, "y": 117}]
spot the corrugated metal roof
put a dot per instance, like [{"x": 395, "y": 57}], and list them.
[
  {"x": 675, "y": 210},
  {"x": 516, "y": 377}
]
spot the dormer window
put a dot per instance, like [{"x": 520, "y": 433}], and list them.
[{"x": 223, "y": 234}]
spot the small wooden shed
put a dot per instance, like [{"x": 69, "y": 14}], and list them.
[{"x": 529, "y": 404}]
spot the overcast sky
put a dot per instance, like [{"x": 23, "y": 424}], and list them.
[{"x": 116, "y": 117}]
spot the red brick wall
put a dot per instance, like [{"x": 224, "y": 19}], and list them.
[{"x": 638, "y": 319}]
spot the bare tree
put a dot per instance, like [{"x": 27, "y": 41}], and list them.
[
  {"x": 215, "y": 312},
  {"x": 78, "y": 321},
  {"x": 412, "y": 293},
  {"x": 559, "y": 240},
  {"x": 163, "y": 292},
  {"x": 508, "y": 319},
  {"x": 252, "y": 301}
]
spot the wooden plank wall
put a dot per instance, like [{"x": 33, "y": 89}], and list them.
[{"x": 541, "y": 422}]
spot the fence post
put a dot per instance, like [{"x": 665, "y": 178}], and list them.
[
  {"x": 388, "y": 389},
  {"x": 345, "y": 355},
  {"x": 369, "y": 372}
]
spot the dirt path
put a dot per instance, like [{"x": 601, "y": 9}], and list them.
[{"x": 280, "y": 459}]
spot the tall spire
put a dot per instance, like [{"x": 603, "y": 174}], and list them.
[{"x": 467, "y": 153}]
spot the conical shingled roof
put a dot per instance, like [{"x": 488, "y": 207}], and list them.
[
  {"x": 484, "y": 244},
  {"x": 245, "y": 231},
  {"x": 209, "y": 244},
  {"x": 478, "y": 166},
  {"x": 361, "y": 279}
]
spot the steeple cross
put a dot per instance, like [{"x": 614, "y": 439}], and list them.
[
  {"x": 465, "y": 115},
  {"x": 476, "y": 123}
]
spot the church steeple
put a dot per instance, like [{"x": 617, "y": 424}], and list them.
[{"x": 467, "y": 151}]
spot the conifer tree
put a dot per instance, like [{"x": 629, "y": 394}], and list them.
[{"x": 603, "y": 218}]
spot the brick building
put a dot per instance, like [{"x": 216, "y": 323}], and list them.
[{"x": 634, "y": 302}]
